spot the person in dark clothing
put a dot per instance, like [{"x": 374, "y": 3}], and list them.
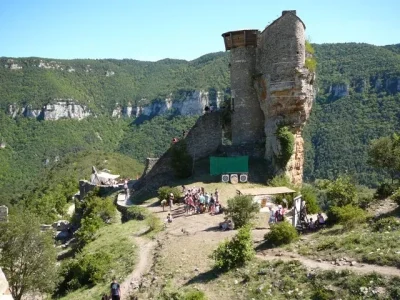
[{"x": 115, "y": 290}]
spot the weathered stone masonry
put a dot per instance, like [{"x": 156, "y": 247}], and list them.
[{"x": 270, "y": 71}]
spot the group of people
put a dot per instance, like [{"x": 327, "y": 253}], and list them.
[
  {"x": 276, "y": 216},
  {"x": 197, "y": 201}
]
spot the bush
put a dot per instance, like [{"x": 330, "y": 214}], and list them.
[
  {"x": 83, "y": 270},
  {"x": 386, "y": 224},
  {"x": 341, "y": 192},
  {"x": 348, "y": 215},
  {"x": 236, "y": 252},
  {"x": 136, "y": 213},
  {"x": 286, "y": 141},
  {"x": 154, "y": 223},
  {"x": 384, "y": 190},
  {"x": 164, "y": 191},
  {"x": 310, "y": 197},
  {"x": 311, "y": 64},
  {"x": 87, "y": 232},
  {"x": 281, "y": 233},
  {"x": 181, "y": 161},
  {"x": 241, "y": 209},
  {"x": 396, "y": 197}
]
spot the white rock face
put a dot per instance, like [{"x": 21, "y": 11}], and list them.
[
  {"x": 65, "y": 109},
  {"x": 192, "y": 103}
]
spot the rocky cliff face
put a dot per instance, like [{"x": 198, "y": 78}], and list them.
[
  {"x": 58, "y": 109},
  {"x": 4, "y": 289},
  {"x": 285, "y": 89},
  {"x": 189, "y": 103}
]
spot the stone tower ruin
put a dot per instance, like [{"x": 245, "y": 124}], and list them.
[{"x": 271, "y": 87}]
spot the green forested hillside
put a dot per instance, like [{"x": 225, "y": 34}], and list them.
[
  {"x": 88, "y": 83},
  {"x": 340, "y": 128},
  {"x": 358, "y": 100}
]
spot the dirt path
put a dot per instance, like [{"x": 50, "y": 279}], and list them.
[
  {"x": 144, "y": 263},
  {"x": 360, "y": 268}
]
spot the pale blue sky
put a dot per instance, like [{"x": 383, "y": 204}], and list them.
[{"x": 157, "y": 29}]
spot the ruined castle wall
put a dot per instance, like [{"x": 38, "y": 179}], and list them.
[
  {"x": 284, "y": 87},
  {"x": 247, "y": 118},
  {"x": 203, "y": 139}
]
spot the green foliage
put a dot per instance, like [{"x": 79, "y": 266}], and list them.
[
  {"x": 171, "y": 293},
  {"x": 95, "y": 212},
  {"x": 87, "y": 269},
  {"x": 136, "y": 212},
  {"x": 181, "y": 161},
  {"x": 384, "y": 190},
  {"x": 341, "y": 192},
  {"x": 396, "y": 196},
  {"x": 281, "y": 233},
  {"x": 286, "y": 141},
  {"x": 309, "y": 195},
  {"x": 349, "y": 216},
  {"x": 241, "y": 209},
  {"x": 164, "y": 191},
  {"x": 384, "y": 153},
  {"x": 311, "y": 64},
  {"x": 27, "y": 255},
  {"x": 309, "y": 48},
  {"x": 386, "y": 224},
  {"x": 236, "y": 252}
]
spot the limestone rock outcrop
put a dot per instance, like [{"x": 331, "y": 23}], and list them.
[
  {"x": 57, "y": 109},
  {"x": 187, "y": 104},
  {"x": 270, "y": 66}
]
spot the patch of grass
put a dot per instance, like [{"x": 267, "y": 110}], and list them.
[
  {"x": 291, "y": 280},
  {"x": 115, "y": 240},
  {"x": 362, "y": 244}
]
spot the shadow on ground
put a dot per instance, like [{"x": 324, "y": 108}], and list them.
[{"x": 204, "y": 277}]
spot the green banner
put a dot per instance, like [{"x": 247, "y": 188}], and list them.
[{"x": 223, "y": 165}]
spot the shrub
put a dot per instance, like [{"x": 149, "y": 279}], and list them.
[
  {"x": 384, "y": 190},
  {"x": 181, "y": 161},
  {"x": 241, "y": 209},
  {"x": 286, "y": 141},
  {"x": 396, "y": 197},
  {"x": 386, "y": 224},
  {"x": 341, "y": 192},
  {"x": 311, "y": 64},
  {"x": 281, "y": 233},
  {"x": 348, "y": 215},
  {"x": 83, "y": 270},
  {"x": 87, "y": 231},
  {"x": 194, "y": 295},
  {"x": 310, "y": 197},
  {"x": 236, "y": 252},
  {"x": 164, "y": 191},
  {"x": 154, "y": 223},
  {"x": 309, "y": 47},
  {"x": 136, "y": 213},
  {"x": 283, "y": 180}
]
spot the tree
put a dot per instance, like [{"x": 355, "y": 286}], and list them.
[
  {"x": 27, "y": 256},
  {"x": 384, "y": 153},
  {"x": 341, "y": 192},
  {"x": 241, "y": 209}
]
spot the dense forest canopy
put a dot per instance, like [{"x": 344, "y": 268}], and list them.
[{"x": 358, "y": 100}]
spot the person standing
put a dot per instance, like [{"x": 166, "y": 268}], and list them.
[
  {"x": 171, "y": 201},
  {"x": 115, "y": 290}
]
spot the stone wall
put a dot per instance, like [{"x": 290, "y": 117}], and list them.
[
  {"x": 247, "y": 117},
  {"x": 203, "y": 139},
  {"x": 85, "y": 187}
]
